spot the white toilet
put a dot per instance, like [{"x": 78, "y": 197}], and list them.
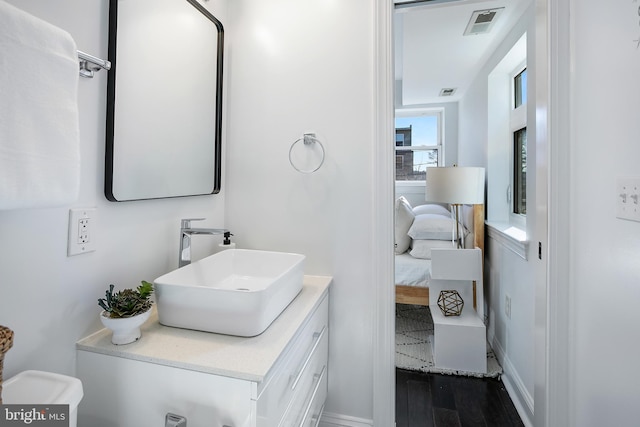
[{"x": 41, "y": 388}]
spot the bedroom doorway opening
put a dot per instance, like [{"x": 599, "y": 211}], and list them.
[{"x": 411, "y": 94}]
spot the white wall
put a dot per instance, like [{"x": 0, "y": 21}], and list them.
[
  {"x": 605, "y": 284},
  {"x": 506, "y": 273},
  {"x": 297, "y": 67},
  {"x": 48, "y": 299},
  {"x": 291, "y": 68}
]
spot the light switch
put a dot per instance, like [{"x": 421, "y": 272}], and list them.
[{"x": 627, "y": 198}]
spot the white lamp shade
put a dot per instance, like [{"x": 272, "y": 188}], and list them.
[{"x": 455, "y": 185}]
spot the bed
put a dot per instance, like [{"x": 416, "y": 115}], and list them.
[{"x": 412, "y": 259}]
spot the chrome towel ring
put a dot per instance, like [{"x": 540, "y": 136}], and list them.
[{"x": 307, "y": 157}]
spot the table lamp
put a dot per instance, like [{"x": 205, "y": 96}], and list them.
[{"x": 456, "y": 186}]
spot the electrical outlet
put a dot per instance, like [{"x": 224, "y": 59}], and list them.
[
  {"x": 507, "y": 306},
  {"x": 83, "y": 230},
  {"x": 82, "y": 225}
]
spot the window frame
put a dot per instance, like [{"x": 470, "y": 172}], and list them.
[
  {"x": 519, "y": 200},
  {"x": 439, "y": 147},
  {"x": 517, "y": 122},
  {"x": 508, "y": 229},
  {"x": 515, "y": 84}
]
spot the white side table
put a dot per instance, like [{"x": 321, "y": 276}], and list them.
[{"x": 460, "y": 342}]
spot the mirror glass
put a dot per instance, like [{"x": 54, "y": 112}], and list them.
[{"x": 164, "y": 99}]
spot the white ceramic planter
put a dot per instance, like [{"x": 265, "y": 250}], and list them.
[{"x": 125, "y": 330}]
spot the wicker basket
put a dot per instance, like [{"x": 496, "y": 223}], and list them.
[{"x": 6, "y": 341}]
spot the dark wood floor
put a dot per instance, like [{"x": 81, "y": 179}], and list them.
[{"x": 426, "y": 400}]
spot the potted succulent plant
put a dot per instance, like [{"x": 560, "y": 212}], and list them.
[{"x": 125, "y": 311}]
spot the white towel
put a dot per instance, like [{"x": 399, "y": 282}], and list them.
[{"x": 39, "y": 132}]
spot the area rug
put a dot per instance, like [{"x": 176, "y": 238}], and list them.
[{"x": 414, "y": 338}]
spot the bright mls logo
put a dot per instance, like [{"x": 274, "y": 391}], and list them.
[{"x": 34, "y": 415}]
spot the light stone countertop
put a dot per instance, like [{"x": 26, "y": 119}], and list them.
[{"x": 236, "y": 357}]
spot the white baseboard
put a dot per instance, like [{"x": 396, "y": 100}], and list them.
[
  {"x": 337, "y": 420},
  {"x": 522, "y": 399}
]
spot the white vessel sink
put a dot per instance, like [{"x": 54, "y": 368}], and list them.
[{"x": 234, "y": 292}]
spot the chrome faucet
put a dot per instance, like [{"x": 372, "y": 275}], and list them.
[{"x": 184, "y": 257}]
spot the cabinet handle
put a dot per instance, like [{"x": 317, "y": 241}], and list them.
[
  {"x": 173, "y": 420},
  {"x": 318, "y": 337},
  {"x": 315, "y": 420},
  {"x": 318, "y": 378}
]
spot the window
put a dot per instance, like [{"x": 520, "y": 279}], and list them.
[
  {"x": 507, "y": 149},
  {"x": 520, "y": 172},
  {"x": 418, "y": 143},
  {"x": 520, "y": 88},
  {"x": 518, "y": 119}
]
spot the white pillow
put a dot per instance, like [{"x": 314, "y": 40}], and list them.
[
  {"x": 422, "y": 248},
  {"x": 404, "y": 219},
  {"x": 431, "y": 209},
  {"x": 432, "y": 227}
]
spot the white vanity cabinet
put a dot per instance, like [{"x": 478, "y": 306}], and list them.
[{"x": 278, "y": 378}]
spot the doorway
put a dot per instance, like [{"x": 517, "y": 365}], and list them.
[{"x": 385, "y": 307}]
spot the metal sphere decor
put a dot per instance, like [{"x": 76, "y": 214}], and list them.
[{"x": 450, "y": 303}]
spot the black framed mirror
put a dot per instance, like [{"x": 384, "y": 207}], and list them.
[{"x": 164, "y": 100}]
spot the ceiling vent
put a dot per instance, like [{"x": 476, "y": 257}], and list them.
[
  {"x": 448, "y": 91},
  {"x": 482, "y": 21}
]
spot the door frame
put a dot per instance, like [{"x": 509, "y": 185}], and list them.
[
  {"x": 383, "y": 203},
  {"x": 553, "y": 306}
]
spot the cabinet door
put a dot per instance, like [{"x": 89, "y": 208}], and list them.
[{"x": 123, "y": 392}]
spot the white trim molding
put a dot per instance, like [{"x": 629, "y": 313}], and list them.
[
  {"x": 522, "y": 399},
  {"x": 508, "y": 236},
  {"x": 383, "y": 196},
  {"x": 555, "y": 343},
  {"x": 338, "y": 420}
]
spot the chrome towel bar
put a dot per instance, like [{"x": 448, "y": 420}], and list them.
[{"x": 90, "y": 64}]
